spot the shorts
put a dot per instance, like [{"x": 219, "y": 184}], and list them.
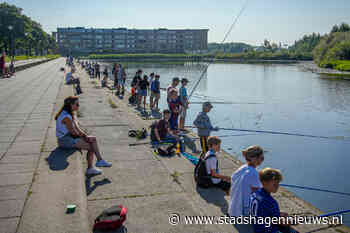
[
  {"x": 223, "y": 185},
  {"x": 142, "y": 92},
  {"x": 67, "y": 142},
  {"x": 121, "y": 82},
  {"x": 155, "y": 94}
]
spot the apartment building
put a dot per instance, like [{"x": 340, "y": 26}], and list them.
[{"x": 123, "y": 40}]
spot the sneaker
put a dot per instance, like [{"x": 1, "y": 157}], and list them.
[
  {"x": 93, "y": 171},
  {"x": 103, "y": 163}
]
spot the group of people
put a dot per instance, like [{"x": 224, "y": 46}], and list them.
[
  {"x": 6, "y": 72},
  {"x": 142, "y": 86},
  {"x": 249, "y": 190}
]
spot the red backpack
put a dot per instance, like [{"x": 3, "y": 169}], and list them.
[{"x": 111, "y": 218}]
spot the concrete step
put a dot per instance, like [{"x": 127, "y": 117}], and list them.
[{"x": 58, "y": 181}]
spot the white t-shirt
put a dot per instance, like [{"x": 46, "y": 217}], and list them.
[
  {"x": 61, "y": 129},
  {"x": 211, "y": 164},
  {"x": 69, "y": 77},
  {"x": 242, "y": 182}
]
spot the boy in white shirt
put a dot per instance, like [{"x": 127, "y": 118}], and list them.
[
  {"x": 212, "y": 165},
  {"x": 245, "y": 181}
]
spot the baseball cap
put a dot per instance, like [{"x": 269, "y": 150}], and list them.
[
  {"x": 184, "y": 80},
  {"x": 176, "y": 79}
]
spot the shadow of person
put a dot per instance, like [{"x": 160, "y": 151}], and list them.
[
  {"x": 121, "y": 229},
  {"x": 90, "y": 188},
  {"x": 214, "y": 196},
  {"x": 244, "y": 228},
  {"x": 57, "y": 159}
]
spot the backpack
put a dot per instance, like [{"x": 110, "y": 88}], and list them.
[
  {"x": 201, "y": 176},
  {"x": 139, "y": 134},
  {"x": 111, "y": 218},
  {"x": 132, "y": 99}
]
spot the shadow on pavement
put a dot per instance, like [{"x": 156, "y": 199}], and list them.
[
  {"x": 90, "y": 188},
  {"x": 214, "y": 196},
  {"x": 121, "y": 229},
  {"x": 57, "y": 159}
]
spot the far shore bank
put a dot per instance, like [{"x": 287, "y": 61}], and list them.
[{"x": 314, "y": 68}]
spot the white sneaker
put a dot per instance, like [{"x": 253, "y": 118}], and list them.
[
  {"x": 103, "y": 163},
  {"x": 93, "y": 171}
]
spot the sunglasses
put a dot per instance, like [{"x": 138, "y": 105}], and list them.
[{"x": 77, "y": 104}]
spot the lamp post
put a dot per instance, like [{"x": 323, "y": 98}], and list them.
[
  {"x": 10, "y": 44},
  {"x": 29, "y": 45}
]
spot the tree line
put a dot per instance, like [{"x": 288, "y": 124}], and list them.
[{"x": 19, "y": 34}]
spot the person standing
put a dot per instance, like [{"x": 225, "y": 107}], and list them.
[
  {"x": 174, "y": 106},
  {"x": 151, "y": 79},
  {"x": 155, "y": 89},
  {"x": 175, "y": 82},
  {"x": 2, "y": 63},
  {"x": 143, "y": 91},
  {"x": 204, "y": 126},
  {"x": 120, "y": 78},
  {"x": 97, "y": 71},
  {"x": 184, "y": 102}
]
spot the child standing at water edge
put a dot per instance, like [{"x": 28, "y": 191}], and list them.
[
  {"x": 184, "y": 102},
  {"x": 212, "y": 165},
  {"x": 174, "y": 106},
  {"x": 143, "y": 91},
  {"x": 151, "y": 79},
  {"x": 155, "y": 89},
  {"x": 245, "y": 181},
  {"x": 262, "y": 204},
  {"x": 204, "y": 126}
]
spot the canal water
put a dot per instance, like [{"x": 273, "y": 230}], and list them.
[{"x": 277, "y": 98}]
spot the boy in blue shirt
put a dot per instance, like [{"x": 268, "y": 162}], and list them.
[
  {"x": 184, "y": 102},
  {"x": 262, "y": 204},
  {"x": 155, "y": 92}
]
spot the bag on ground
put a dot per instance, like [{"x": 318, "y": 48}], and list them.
[{"x": 111, "y": 218}]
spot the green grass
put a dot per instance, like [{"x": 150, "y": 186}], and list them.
[
  {"x": 23, "y": 57},
  {"x": 252, "y": 55},
  {"x": 342, "y": 65}
]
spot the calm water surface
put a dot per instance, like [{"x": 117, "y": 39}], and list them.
[{"x": 277, "y": 98}]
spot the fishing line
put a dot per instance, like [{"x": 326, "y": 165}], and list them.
[
  {"x": 314, "y": 189},
  {"x": 283, "y": 133},
  {"x": 212, "y": 60}
]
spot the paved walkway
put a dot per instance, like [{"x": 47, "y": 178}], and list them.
[{"x": 26, "y": 104}]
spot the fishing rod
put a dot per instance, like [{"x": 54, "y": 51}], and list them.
[
  {"x": 223, "y": 102},
  {"x": 212, "y": 60},
  {"x": 314, "y": 189},
  {"x": 282, "y": 133},
  {"x": 335, "y": 213}
]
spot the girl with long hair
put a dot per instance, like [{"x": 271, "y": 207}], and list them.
[{"x": 71, "y": 136}]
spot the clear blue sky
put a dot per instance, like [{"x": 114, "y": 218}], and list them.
[{"x": 275, "y": 20}]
